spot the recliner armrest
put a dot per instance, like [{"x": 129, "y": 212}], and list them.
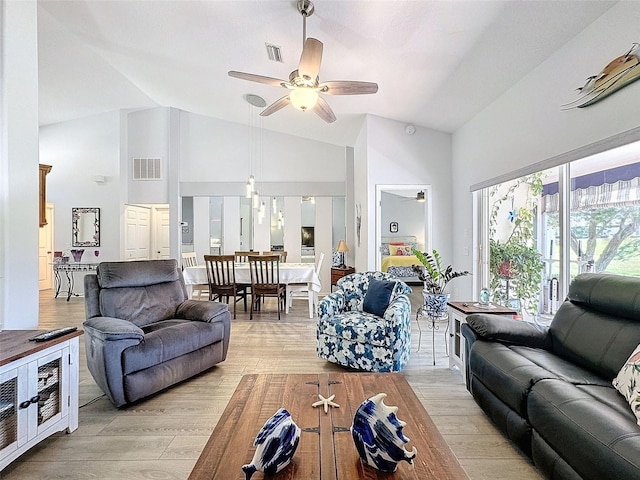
[
  {"x": 113, "y": 329},
  {"x": 200, "y": 311},
  {"x": 507, "y": 330}
]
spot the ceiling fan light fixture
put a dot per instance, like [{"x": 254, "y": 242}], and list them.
[
  {"x": 420, "y": 196},
  {"x": 304, "y": 98}
]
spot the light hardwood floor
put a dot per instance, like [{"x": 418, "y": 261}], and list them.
[{"x": 162, "y": 436}]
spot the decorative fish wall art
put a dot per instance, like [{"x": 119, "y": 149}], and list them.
[
  {"x": 377, "y": 433},
  {"x": 618, "y": 73},
  {"x": 276, "y": 443}
]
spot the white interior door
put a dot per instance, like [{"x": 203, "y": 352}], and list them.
[
  {"x": 45, "y": 251},
  {"x": 162, "y": 237},
  {"x": 137, "y": 236}
]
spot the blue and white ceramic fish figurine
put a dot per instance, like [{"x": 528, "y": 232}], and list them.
[
  {"x": 276, "y": 444},
  {"x": 377, "y": 433}
]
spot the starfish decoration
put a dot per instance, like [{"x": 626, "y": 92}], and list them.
[{"x": 326, "y": 402}]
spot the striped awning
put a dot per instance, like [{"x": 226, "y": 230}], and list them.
[{"x": 616, "y": 187}]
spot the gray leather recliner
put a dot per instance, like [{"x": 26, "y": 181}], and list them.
[{"x": 142, "y": 334}]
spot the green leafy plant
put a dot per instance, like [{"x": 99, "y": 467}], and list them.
[
  {"x": 516, "y": 264},
  {"x": 432, "y": 273}
]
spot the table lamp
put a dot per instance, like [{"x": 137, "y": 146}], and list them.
[{"x": 342, "y": 247}]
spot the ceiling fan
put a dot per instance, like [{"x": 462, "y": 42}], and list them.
[{"x": 303, "y": 84}]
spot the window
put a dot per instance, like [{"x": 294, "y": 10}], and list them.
[{"x": 524, "y": 220}]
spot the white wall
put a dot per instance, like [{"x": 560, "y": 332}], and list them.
[
  {"x": 214, "y": 150},
  {"x": 408, "y": 213},
  {"x": 358, "y": 251},
  {"x": 393, "y": 157},
  {"x": 148, "y": 137},
  {"x": 19, "y": 215},
  {"x": 78, "y": 150},
  {"x": 526, "y": 125}
]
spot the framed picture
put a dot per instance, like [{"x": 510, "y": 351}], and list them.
[{"x": 393, "y": 227}]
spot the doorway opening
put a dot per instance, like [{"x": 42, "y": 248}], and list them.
[{"x": 403, "y": 222}]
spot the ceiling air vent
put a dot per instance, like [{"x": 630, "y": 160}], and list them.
[
  {"x": 274, "y": 52},
  {"x": 147, "y": 169}
]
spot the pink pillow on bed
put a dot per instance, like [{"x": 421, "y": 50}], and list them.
[{"x": 399, "y": 250}]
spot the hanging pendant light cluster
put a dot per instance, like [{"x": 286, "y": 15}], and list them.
[
  {"x": 255, "y": 143},
  {"x": 277, "y": 219}
]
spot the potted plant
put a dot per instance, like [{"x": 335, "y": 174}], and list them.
[{"x": 435, "y": 278}]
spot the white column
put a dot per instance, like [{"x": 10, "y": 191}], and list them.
[
  {"x": 292, "y": 225},
  {"x": 231, "y": 225},
  {"x": 262, "y": 231},
  {"x": 324, "y": 238},
  {"x": 19, "y": 197},
  {"x": 201, "y": 217}
]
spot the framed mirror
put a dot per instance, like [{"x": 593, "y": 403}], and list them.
[{"x": 85, "y": 227}]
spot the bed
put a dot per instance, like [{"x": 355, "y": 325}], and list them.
[{"x": 397, "y": 259}]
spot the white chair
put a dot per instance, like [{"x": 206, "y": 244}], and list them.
[
  {"x": 190, "y": 259},
  {"x": 302, "y": 290}
]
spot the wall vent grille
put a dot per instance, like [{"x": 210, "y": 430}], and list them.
[
  {"x": 274, "y": 52},
  {"x": 147, "y": 169}
]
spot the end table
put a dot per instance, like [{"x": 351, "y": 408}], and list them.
[
  {"x": 458, "y": 312},
  {"x": 338, "y": 272}
]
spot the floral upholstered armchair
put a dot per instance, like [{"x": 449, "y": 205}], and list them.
[{"x": 366, "y": 323}]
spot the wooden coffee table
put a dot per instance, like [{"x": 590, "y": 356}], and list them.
[{"x": 326, "y": 450}]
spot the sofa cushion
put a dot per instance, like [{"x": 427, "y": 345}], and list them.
[
  {"x": 627, "y": 382},
  {"x": 617, "y": 295},
  {"x": 506, "y": 373},
  {"x": 170, "y": 339},
  {"x": 142, "y": 305},
  {"x": 361, "y": 327},
  {"x": 355, "y": 287},
  {"x": 377, "y": 297},
  {"x": 597, "y": 441},
  {"x": 594, "y": 340},
  {"x": 599, "y": 326},
  {"x": 126, "y": 274},
  {"x": 560, "y": 368}
]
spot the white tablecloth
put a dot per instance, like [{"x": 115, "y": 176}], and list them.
[{"x": 289, "y": 273}]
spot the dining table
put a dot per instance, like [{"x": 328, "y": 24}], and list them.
[{"x": 290, "y": 272}]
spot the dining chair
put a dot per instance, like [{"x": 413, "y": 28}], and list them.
[
  {"x": 242, "y": 256},
  {"x": 282, "y": 253},
  {"x": 265, "y": 281},
  {"x": 302, "y": 290},
  {"x": 221, "y": 273},
  {"x": 190, "y": 259}
]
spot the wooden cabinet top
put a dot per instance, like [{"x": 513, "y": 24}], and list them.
[
  {"x": 15, "y": 344},
  {"x": 473, "y": 307}
]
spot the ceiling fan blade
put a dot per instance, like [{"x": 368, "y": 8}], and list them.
[
  {"x": 324, "y": 111},
  {"x": 345, "y": 87},
  {"x": 275, "y": 106},
  {"x": 310, "y": 59},
  {"x": 258, "y": 78}
]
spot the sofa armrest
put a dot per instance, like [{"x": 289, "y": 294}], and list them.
[
  {"x": 331, "y": 305},
  {"x": 200, "y": 311},
  {"x": 507, "y": 330},
  {"x": 398, "y": 311},
  {"x": 113, "y": 329}
]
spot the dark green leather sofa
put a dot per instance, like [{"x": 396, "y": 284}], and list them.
[{"x": 549, "y": 389}]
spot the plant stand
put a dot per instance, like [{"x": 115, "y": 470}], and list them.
[{"x": 435, "y": 320}]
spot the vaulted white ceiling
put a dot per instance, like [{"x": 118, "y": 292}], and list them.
[{"x": 437, "y": 63}]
